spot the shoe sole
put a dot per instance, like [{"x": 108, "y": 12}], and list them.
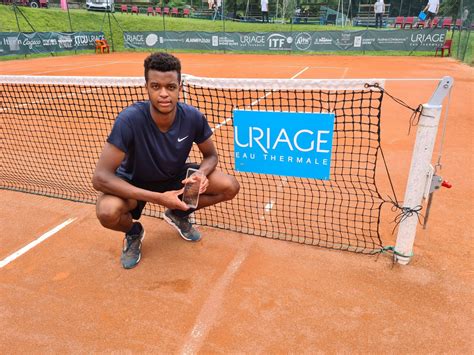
[
  {"x": 171, "y": 223},
  {"x": 139, "y": 256}
]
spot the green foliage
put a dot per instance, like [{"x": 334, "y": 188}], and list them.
[
  {"x": 172, "y": 3},
  {"x": 453, "y": 8},
  {"x": 463, "y": 43},
  {"x": 55, "y": 19}
]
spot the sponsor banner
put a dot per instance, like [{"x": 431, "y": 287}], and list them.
[
  {"x": 381, "y": 40},
  {"x": 283, "y": 143},
  {"x": 366, "y": 40},
  {"x": 46, "y": 42}
]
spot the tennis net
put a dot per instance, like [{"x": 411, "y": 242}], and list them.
[{"x": 53, "y": 129}]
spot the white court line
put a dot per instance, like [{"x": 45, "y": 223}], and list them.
[
  {"x": 346, "y": 69},
  {"x": 413, "y": 79},
  {"x": 32, "y": 103},
  {"x": 34, "y": 243},
  {"x": 265, "y": 66},
  {"x": 299, "y": 73},
  {"x": 223, "y": 123},
  {"x": 73, "y": 68},
  {"x": 269, "y": 205},
  {"x": 209, "y": 310}
]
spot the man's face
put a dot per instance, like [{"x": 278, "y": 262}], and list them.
[{"x": 163, "y": 90}]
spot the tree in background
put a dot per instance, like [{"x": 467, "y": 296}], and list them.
[
  {"x": 407, "y": 7},
  {"x": 453, "y": 8},
  {"x": 288, "y": 8}
]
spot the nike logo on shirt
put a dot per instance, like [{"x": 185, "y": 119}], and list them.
[{"x": 182, "y": 139}]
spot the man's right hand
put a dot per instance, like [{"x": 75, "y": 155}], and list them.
[{"x": 170, "y": 199}]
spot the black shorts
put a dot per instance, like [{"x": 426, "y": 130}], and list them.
[
  {"x": 430, "y": 16},
  {"x": 160, "y": 186}
]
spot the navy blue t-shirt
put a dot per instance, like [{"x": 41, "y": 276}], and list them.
[{"x": 151, "y": 155}]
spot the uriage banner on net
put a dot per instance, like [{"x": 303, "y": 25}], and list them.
[{"x": 283, "y": 143}]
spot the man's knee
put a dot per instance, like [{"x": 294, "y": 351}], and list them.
[
  {"x": 107, "y": 215},
  {"x": 109, "y": 211},
  {"x": 232, "y": 188}
]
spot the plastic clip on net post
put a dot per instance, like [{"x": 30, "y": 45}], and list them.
[{"x": 437, "y": 182}]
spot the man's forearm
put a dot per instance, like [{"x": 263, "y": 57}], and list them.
[
  {"x": 113, "y": 185},
  {"x": 208, "y": 164}
]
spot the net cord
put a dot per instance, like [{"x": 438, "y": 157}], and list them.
[{"x": 216, "y": 83}]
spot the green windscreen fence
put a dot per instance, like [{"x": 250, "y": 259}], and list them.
[
  {"x": 365, "y": 40},
  {"x": 14, "y": 43}
]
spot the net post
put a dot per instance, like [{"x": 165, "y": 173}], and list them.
[{"x": 420, "y": 165}]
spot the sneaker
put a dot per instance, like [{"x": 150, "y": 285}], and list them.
[
  {"x": 182, "y": 225},
  {"x": 132, "y": 245}
]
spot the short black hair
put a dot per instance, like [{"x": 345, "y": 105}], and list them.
[{"x": 162, "y": 62}]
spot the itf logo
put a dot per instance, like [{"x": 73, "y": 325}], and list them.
[
  {"x": 283, "y": 143},
  {"x": 277, "y": 41}
]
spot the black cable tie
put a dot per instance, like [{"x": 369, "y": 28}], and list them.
[
  {"x": 405, "y": 213},
  {"x": 374, "y": 85},
  {"x": 416, "y": 112},
  {"x": 415, "y": 118}
]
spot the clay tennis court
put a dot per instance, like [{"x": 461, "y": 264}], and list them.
[{"x": 235, "y": 293}]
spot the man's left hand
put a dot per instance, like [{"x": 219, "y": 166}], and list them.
[{"x": 204, "y": 183}]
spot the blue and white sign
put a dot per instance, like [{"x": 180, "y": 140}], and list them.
[{"x": 283, "y": 143}]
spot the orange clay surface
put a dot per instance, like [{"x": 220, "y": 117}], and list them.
[{"x": 234, "y": 293}]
